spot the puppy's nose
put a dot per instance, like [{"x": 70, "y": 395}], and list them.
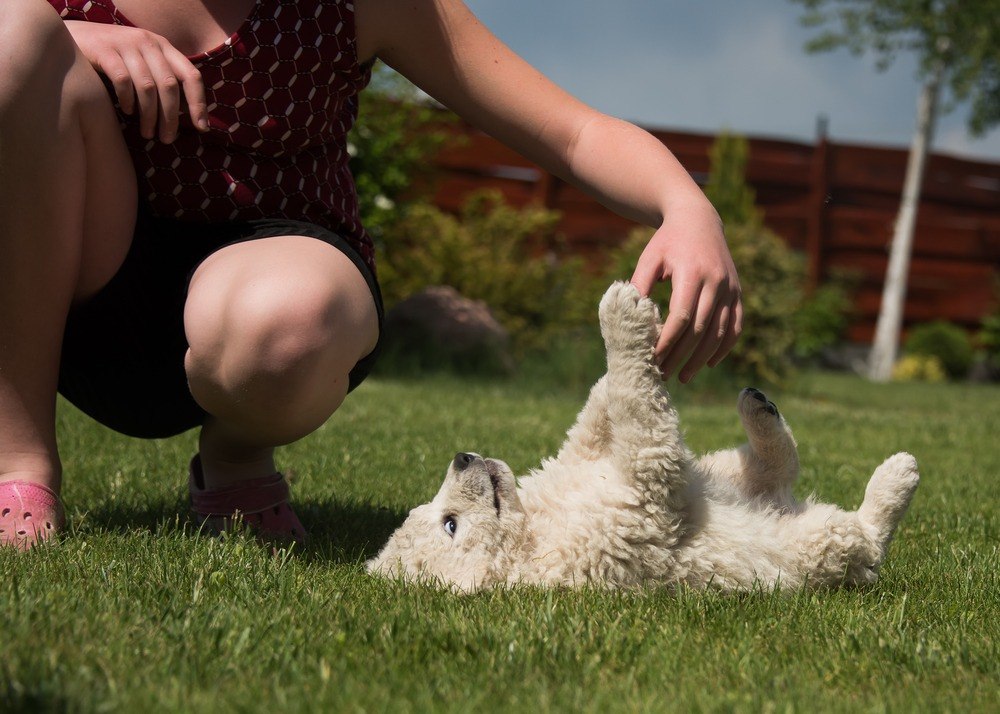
[{"x": 462, "y": 461}]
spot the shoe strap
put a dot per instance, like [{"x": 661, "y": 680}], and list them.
[
  {"x": 28, "y": 493},
  {"x": 248, "y": 497}
]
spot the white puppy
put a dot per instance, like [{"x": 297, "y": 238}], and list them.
[{"x": 625, "y": 503}]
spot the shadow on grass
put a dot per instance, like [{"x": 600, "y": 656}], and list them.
[
  {"x": 345, "y": 532},
  {"x": 15, "y": 700},
  {"x": 339, "y": 532}
]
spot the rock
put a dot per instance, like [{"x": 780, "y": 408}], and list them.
[{"x": 439, "y": 328}]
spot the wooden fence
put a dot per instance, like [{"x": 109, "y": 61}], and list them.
[{"x": 836, "y": 203}]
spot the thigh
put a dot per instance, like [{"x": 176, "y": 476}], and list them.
[
  {"x": 123, "y": 349},
  {"x": 66, "y": 172}
]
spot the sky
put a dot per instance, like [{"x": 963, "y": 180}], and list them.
[{"x": 711, "y": 65}]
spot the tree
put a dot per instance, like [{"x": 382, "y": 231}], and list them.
[{"x": 957, "y": 43}]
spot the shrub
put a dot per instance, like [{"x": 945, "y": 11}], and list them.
[
  {"x": 823, "y": 317},
  {"x": 988, "y": 340},
  {"x": 771, "y": 274},
  {"x": 494, "y": 253},
  {"x": 397, "y": 131},
  {"x": 949, "y": 343},
  {"x": 918, "y": 368},
  {"x": 772, "y": 277},
  {"x": 726, "y": 187}
]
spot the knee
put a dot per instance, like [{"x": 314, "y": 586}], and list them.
[
  {"x": 262, "y": 344},
  {"x": 37, "y": 49}
]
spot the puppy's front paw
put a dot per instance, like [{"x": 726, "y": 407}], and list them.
[{"x": 627, "y": 316}]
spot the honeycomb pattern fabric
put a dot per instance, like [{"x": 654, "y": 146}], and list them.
[{"x": 282, "y": 97}]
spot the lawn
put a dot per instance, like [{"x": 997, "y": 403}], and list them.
[{"x": 133, "y": 611}]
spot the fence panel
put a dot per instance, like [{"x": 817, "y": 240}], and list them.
[{"x": 836, "y": 203}]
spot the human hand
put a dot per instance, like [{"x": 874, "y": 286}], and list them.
[
  {"x": 147, "y": 70},
  {"x": 705, "y": 316}
]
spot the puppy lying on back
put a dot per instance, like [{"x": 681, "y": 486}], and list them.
[{"x": 625, "y": 503}]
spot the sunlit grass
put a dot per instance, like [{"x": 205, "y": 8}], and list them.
[{"x": 133, "y": 611}]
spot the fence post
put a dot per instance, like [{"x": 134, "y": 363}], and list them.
[{"x": 819, "y": 196}]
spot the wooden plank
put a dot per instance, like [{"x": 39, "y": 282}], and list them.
[{"x": 957, "y": 244}]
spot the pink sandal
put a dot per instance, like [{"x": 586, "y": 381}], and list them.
[
  {"x": 260, "y": 503},
  {"x": 29, "y": 514}
]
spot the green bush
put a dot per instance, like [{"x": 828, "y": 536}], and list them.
[
  {"x": 823, "y": 317},
  {"x": 726, "y": 187},
  {"x": 771, "y": 274},
  {"x": 988, "y": 340},
  {"x": 509, "y": 258},
  {"x": 772, "y": 277},
  {"x": 944, "y": 340},
  {"x": 397, "y": 132},
  {"x": 988, "y": 337}
]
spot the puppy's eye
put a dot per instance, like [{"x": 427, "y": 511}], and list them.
[{"x": 450, "y": 525}]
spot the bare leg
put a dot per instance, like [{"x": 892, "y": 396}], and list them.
[
  {"x": 274, "y": 327},
  {"x": 67, "y": 210}
]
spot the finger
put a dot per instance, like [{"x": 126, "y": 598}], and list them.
[
  {"x": 732, "y": 334},
  {"x": 683, "y": 303},
  {"x": 144, "y": 87},
  {"x": 647, "y": 274},
  {"x": 193, "y": 85},
  {"x": 704, "y": 317},
  {"x": 114, "y": 68},
  {"x": 710, "y": 340},
  {"x": 168, "y": 90},
  {"x": 676, "y": 338}
]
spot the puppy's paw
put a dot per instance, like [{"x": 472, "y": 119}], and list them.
[
  {"x": 626, "y": 317},
  {"x": 753, "y": 403},
  {"x": 889, "y": 493}
]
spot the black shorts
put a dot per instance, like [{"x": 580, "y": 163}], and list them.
[{"x": 123, "y": 350}]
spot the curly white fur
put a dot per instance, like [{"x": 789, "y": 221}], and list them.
[{"x": 625, "y": 503}]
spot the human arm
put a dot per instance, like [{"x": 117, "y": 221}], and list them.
[
  {"x": 148, "y": 74},
  {"x": 444, "y": 50}
]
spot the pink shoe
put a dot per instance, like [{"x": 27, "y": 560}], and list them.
[
  {"x": 29, "y": 513},
  {"x": 260, "y": 503}
]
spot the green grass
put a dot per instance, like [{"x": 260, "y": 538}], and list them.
[{"x": 132, "y": 611}]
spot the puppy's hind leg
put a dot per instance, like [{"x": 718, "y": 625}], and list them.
[
  {"x": 888, "y": 496},
  {"x": 646, "y": 444}
]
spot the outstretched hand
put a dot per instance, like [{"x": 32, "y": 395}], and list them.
[{"x": 705, "y": 316}]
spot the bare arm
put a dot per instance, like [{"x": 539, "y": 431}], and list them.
[{"x": 443, "y": 49}]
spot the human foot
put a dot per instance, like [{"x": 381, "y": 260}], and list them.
[
  {"x": 260, "y": 504},
  {"x": 29, "y": 514}
]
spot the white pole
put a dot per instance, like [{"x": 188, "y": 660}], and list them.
[{"x": 890, "y": 317}]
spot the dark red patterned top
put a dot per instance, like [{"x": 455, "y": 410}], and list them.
[{"x": 282, "y": 96}]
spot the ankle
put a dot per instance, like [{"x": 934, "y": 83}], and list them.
[
  {"x": 226, "y": 459},
  {"x": 41, "y": 472},
  {"x": 211, "y": 472}
]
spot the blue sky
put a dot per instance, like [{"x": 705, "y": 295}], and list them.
[{"x": 706, "y": 65}]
